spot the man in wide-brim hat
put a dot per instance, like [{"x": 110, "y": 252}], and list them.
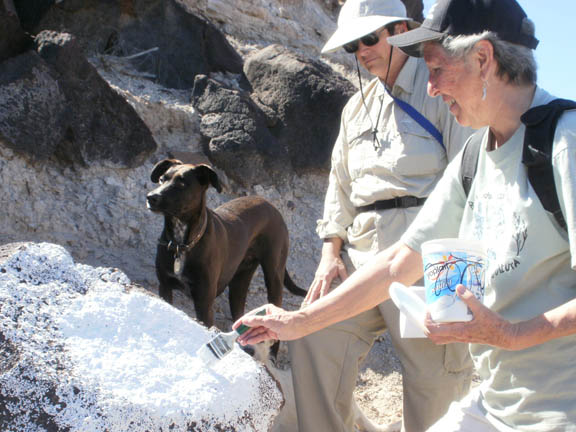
[{"x": 385, "y": 162}]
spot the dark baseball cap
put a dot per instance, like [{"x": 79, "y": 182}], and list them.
[{"x": 465, "y": 17}]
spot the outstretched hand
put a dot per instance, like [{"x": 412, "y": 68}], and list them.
[
  {"x": 277, "y": 324},
  {"x": 487, "y": 327}
]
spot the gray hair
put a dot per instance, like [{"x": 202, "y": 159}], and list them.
[{"x": 515, "y": 62}]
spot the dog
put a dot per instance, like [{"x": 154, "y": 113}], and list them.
[
  {"x": 203, "y": 251},
  {"x": 286, "y": 420}
]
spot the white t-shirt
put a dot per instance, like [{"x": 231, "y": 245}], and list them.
[{"x": 531, "y": 270}]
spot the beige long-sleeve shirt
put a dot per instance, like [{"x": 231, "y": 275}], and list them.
[{"x": 407, "y": 160}]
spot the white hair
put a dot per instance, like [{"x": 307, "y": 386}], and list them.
[{"x": 516, "y": 63}]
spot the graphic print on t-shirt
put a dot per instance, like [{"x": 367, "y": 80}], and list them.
[{"x": 503, "y": 230}]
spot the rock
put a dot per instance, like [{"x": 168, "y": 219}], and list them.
[
  {"x": 32, "y": 107},
  {"x": 187, "y": 45},
  {"x": 101, "y": 126},
  {"x": 236, "y": 130},
  {"x": 13, "y": 40},
  {"x": 304, "y": 25},
  {"x": 31, "y": 12},
  {"x": 294, "y": 124},
  {"x": 414, "y": 9},
  {"x": 307, "y": 98},
  {"x": 56, "y": 105},
  {"x": 82, "y": 349},
  {"x": 183, "y": 44}
]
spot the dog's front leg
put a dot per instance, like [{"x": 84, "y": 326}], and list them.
[
  {"x": 205, "y": 313},
  {"x": 203, "y": 293},
  {"x": 164, "y": 265},
  {"x": 166, "y": 287},
  {"x": 165, "y": 292}
]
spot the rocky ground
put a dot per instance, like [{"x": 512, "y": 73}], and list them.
[{"x": 379, "y": 389}]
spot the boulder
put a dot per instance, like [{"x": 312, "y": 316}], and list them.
[
  {"x": 32, "y": 107},
  {"x": 83, "y": 349},
  {"x": 13, "y": 40},
  {"x": 177, "y": 44},
  {"x": 53, "y": 103},
  {"x": 414, "y": 9},
  {"x": 290, "y": 120},
  {"x": 187, "y": 45},
  {"x": 307, "y": 97},
  {"x": 236, "y": 133}
]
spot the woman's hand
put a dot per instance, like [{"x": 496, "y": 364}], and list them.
[
  {"x": 331, "y": 266},
  {"x": 487, "y": 327},
  {"x": 277, "y": 324}
]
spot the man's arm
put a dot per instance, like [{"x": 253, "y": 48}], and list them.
[
  {"x": 363, "y": 290},
  {"x": 339, "y": 214}
]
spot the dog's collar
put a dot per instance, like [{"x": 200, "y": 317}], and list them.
[{"x": 180, "y": 249}]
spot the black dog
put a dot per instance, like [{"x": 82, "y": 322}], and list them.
[{"x": 202, "y": 251}]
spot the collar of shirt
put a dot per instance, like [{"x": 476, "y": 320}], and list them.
[
  {"x": 405, "y": 80},
  {"x": 541, "y": 97}
]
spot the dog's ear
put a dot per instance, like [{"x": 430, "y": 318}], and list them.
[
  {"x": 161, "y": 167},
  {"x": 206, "y": 175}
]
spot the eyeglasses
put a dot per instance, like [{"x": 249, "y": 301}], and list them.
[{"x": 369, "y": 40}]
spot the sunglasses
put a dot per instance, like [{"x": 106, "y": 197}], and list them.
[{"x": 369, "y": 40}]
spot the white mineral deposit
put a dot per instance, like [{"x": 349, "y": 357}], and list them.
[{"x": 125, "y": 360}]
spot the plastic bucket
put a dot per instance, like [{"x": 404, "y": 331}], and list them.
[{"x": 447, "y": 263}]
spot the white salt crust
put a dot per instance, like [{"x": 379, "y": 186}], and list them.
[{"x": 132, "y": 355}]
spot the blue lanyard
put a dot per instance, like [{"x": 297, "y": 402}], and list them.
[{"x": 420, "y": 119}]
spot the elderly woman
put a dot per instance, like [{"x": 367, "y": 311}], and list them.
[{"x": 523, "y": 338}]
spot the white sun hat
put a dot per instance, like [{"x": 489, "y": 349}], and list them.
[{"x": 358, "y": 18}]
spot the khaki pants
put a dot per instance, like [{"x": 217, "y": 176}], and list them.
[
  {"x": 465, "y": 415},
  {"x": 325, "y": 368}
]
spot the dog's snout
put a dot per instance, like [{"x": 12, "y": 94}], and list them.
[{"x": 152, "y": 200}]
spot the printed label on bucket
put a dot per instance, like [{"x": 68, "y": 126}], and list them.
[{"x": 443, "y": 271}]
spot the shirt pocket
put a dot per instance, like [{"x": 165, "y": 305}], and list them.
[
  {"x": 415, "y": 151},
  {"x": 365, "y": 156},
  {"x": 362, "y": 234}
]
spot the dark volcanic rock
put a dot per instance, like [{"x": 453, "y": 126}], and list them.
[
  {"x": 183, "y": 45},
  {"x": 187, "y": 45},
  {"x": 101, "y": 125},
  {"x": 307, "y": 98},
  {"x": 238, "y": 139},
  {"x": 290, "y": 120},
  {"x": 56, "y": 104},
  {"x": 13, "y": 40},
  {"x": 32, "y": 107}
]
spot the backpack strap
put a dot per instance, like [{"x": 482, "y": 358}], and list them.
[
  {"x": 470, "y": 161},
  {"x": 541, "y": 124},
  {"x": 419, "y": 118}
]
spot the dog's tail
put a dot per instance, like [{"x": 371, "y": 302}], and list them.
[{"x": 292, "y": 287}]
